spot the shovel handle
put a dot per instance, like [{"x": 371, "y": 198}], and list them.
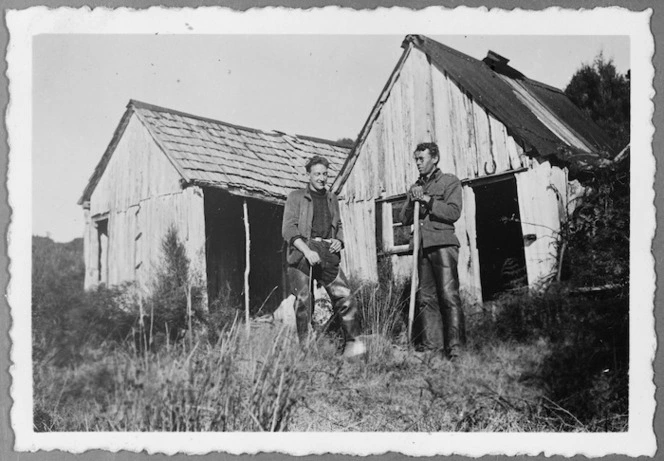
[{"x": 413, "y": 279}]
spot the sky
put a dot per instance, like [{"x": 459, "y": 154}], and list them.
[{"x": 322, "y": 86}]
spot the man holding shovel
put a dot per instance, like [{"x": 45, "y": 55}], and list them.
[
  {"x": 314, "y": 236},
  {"x": 439, "y": 198}
]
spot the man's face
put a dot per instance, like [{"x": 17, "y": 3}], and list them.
[
  {"x": 424, "y": 161},
  {"x": 318, "y": 177}
]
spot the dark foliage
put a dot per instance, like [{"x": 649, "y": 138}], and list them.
[
  {"x": 603, "y": 95},
  {"x": 57, "y": 281},
  {"x": 597, "y": 232},
  {"x": 64, "y": 316},
  {"x": 586, "y": 369},
  {"x": 596, "y": 236}
]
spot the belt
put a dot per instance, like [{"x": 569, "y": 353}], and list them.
[{"x": 318, "y": 239}]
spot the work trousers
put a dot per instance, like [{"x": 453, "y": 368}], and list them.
[
  {"x": 440, "y": 314},
  {"x": 335, "y": 283}
]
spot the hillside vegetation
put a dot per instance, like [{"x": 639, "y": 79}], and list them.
[{"x": 551, "y": 361}]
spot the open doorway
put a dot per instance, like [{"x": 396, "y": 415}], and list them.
[
  {"x": 266, "y": 278},
  {"x": 102, "y": 254},
  {"x": 225, "y": 250},
  {"x": 499, "y": 237}
]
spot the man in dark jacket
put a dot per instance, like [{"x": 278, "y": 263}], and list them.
[
  {"x": 314, "y": 237},
  {"x": 439, "y": 196}
]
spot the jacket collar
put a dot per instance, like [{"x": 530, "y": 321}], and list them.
[{"x": 435, "y": 174}]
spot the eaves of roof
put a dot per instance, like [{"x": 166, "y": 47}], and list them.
[
  {"x": 211, "y": 153},
  {"x": 105, "y": 158}
]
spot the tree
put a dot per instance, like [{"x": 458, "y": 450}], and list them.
[
  {"x": 602, "y": 93},
  {"x": 598, "y": 231},
  {"x": 346, "y": 142}
]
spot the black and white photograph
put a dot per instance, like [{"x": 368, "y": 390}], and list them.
[{"x": 332, "y": 225}]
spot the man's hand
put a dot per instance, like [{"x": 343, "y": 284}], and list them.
[
  {"x": 335, "y": 246},
  {"x": 417, "y": 194},
  {"x": 312, "y": 257}
]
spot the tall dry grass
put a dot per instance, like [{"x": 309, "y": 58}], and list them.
[
  {"x": 233, "y": 385},
  {"x": 382, "y": 307}
]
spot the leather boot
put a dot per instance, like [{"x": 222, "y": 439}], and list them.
[
  {"x": 453, "y": 316},
  {"x": 300, "y": 286},
  {"x": 344, "y": 306}
]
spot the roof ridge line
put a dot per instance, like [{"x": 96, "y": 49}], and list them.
[
  {"x": 144, "y": 105},
  {"x": 447, "y": 48},
  {"x": 464, "y": 55},
  {"x": 275, "y": 133}
]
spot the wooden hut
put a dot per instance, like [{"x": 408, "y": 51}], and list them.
[
  {"x": 511, "y": 140},
  {"x": 211, "y": 181}
]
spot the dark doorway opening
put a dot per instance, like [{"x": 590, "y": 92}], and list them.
[
  {"x": 266, "y": 276},
  {"x": 225, "y": 251},
  {"x": 102, "y": 255},
  {"x": 499, "y": 237}
]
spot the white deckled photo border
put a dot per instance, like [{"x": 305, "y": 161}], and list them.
[{"x": 24, "y": 25}]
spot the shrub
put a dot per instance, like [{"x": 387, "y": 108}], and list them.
[
  {"x": 65, "y": 317},
  {"x": 597, "y": 232},
  {"x": 586, "y": 369},
  {"x": 57, "y": 287},
  {"x": 173, "y": 293}
]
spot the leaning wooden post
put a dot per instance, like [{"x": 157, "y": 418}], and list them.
[
  {"x": 413, "y": 279},
  {"x": 247, "y": 265},
  {"x": 189, "y": 312}
]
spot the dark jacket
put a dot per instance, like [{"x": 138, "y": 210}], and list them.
[
  {"x": 437, "y": 218},
  {"x": 298, "y": 217}
]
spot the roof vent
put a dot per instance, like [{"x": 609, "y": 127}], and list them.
[
  {"x": 493, "y": 60},
  {"x": 498, "y": 63}
]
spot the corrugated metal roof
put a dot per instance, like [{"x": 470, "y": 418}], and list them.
[
  {"x": 212, "y": 153},
  {"x": 489, "y": 89},
  {"x": 541, "y": 118}
]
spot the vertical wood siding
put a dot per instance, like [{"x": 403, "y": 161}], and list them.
[
  {"x": 359, "y": 255},
  {"x": 138, "y": 170},
  {"x": 542, "y": 194},
  {"x": 468, "y": 266},
  {"x": 424, "y": 105},
  {"x": 141, "y": 193}
]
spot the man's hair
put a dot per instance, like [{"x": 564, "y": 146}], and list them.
[
  {"x": 432, "y": 147},
  {"x": 316, "y": 160}
]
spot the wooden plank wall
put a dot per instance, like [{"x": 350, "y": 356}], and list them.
[
  {"x": 469, "y": 138},
  {"x": 424, "y": 105},
  {"x": 359, "y": 256},
  {"x": 141, "y": 193},
  {"x": 542, "y": 194}
]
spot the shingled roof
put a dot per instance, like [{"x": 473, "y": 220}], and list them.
[{"x": 244, "y": 161}]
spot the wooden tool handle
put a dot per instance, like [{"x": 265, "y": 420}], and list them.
[{"x": 413, "y": 286}]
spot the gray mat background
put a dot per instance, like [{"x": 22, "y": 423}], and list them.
[{"x": 6, "y": 434}]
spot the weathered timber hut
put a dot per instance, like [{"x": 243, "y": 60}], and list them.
[
  {"x": 208, "y": 179},
  {"x": 515, "y": 143}
]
